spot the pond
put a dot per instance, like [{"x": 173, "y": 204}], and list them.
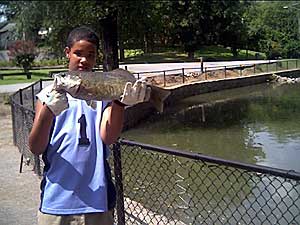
[{"x": 256, "y": 124}]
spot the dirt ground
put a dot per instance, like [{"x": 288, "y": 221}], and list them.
[
  {"x": 173, "y": 80},
  {"x": 19, "y": 192}
]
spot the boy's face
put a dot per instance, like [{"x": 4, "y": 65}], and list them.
[{"x": 82, "y": 56}]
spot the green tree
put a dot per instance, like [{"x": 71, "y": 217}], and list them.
[
  {"x": 187, "y": 22},
  {"x": 133, "y": 24},
  {"x": 197, "y": 23},
  {"x": 140, "y": 24},
  {"x": 27, "y": 16},
  {"x": 272, "y": 29},
  {"x": 60, "y": 17},
  {"x": 229, "y": 27}
]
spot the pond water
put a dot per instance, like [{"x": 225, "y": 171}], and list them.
[{"x": 257, "y": 124}]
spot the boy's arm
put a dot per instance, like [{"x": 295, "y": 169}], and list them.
[
  {"x": 40, "y": 132},
  {"x": 49, "y": 104},
  {"x": 113, "y": 116},
  {"x": 112, "y": 123}
]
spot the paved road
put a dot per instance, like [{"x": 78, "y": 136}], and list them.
[
  {"x": 12, "y": 87},
  {"x": 149, "y": 67}
]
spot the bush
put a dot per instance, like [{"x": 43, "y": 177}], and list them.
[
  {"x": 7, "y": 63},
  {"x": 292, "y": 49},
  {"x": 22, "y": 53},
  {"x": 133, "y": 52}
]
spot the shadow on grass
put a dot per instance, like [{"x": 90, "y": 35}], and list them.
[
  {"x": 209, "y": 53},
  {"x": 159, "y": 57}
]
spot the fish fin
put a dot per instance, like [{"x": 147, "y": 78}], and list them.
[{"x": 158, "y": 96}]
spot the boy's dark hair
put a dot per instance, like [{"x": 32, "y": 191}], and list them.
[{"x": 82, "y": 33}]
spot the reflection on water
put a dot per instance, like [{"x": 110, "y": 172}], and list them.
[{"x": 256, "y": 124}]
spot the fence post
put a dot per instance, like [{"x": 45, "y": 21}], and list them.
[
  {"x": 225, "y": 71},
  {"x": 254, "y": 68},
  {"x": 164, "y": 78},
  {"x": 32, "y": 96},
  {"x": 21, "y": 163},
  {"x": 28, "y": 75},
  {"x": 21, "y": 96},
  {"x": 126, "y": 68},
  {"x": 205, "y": 73},
  {"x": 241, "y": 72},
  {"x": 183, "y": 75},
  {"x": 41, "y": 85},
  {"x": 13, "y": 118},
  {"x": 37, "y": 165},
  {"x": 22, "y": 157},
  {"x": 201, "y": 60},
  {"x": 119, "y": 183},
  {"x": 138, "y": 75}
]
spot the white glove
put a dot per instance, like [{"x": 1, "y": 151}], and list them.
[
  {"x": 56, "y": 101},
  {"x": 135, "y": 94},
  {"x": 66, "y": 83}
]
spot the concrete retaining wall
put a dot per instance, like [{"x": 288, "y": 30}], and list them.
[
  {"x": 216, "y": 85},
  {"x": 137, "y": 113}
]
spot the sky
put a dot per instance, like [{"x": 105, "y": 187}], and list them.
[{"x": 2, "y": 19}]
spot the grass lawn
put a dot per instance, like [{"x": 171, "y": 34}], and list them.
[
  {"x": 35, "y": 76},
  {"x": 219, "y": 53}
]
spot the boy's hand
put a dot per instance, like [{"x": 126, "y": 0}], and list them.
[
  {"x": 69, "y": 84},
  {"x": 135, "y": 94},
  {"x": 56, "y": 101}
]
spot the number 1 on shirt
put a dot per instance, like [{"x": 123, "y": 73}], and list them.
[{"x": 83, "y": 140}]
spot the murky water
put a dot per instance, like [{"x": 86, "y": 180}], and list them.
[{"x": 257, "y": 124}]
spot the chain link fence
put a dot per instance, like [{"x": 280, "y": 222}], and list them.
[
  {"x": 166, "y": 186},
  {"x": 163, "y": 186},
  {"x": 22, "y": 107}
]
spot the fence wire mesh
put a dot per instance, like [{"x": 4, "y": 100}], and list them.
[
  {"x": 22, "y": 107},
  {"x": 164, "y": 188}
]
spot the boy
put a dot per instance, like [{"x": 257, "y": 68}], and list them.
[{"x": 72, "y": 135}]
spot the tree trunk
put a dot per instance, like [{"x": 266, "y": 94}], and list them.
[
  {"x": 191, "y": 54},
  {"x": 145, "y": 44},
  {"x": 110, "y": 42},
  {"x": 122, "y": 52},
  {"x": 234, "y": 51}
]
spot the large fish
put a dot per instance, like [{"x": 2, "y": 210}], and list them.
[{"x": 103, "y": 86}]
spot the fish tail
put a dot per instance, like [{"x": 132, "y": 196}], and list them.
[{"x": 158, "y": 96}]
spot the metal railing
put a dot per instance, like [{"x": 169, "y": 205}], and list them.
[
  {"x": 163, "y": 186},
  {"x": 166, "y": 186},
  {"x": 22, "y": 107},
  {"x": 184, "y": 75}
]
